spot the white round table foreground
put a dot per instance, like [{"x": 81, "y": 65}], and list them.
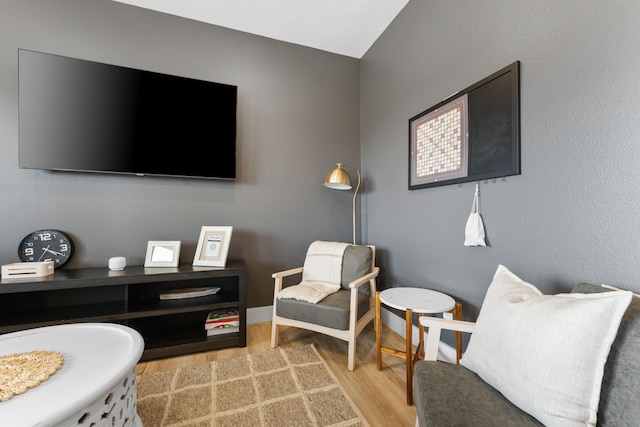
[{"x": 96, "y": 384}]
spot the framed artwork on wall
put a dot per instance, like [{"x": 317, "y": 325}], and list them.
[
  {"x": 472, "y": 135},
  {"x": 213, "y": 246},
  {"x": 439, "y": 141},
  {"x": 162, "y": 254}
]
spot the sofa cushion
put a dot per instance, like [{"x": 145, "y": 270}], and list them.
[
  {"x": 545, "y": 353},
  {"x": 451, "y": 395},
  {"x": 356, "y": 262},
  {"x": 620, "y": 385},
  {"x": 332, "y": 311}
]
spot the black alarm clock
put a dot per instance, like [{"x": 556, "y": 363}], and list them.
[{"x": 46, "y": 245}]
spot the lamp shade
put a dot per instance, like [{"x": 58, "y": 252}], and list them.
[{"x": 338, "y": 179}]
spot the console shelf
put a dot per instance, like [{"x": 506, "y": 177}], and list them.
[{"x": 131, "y": 297}]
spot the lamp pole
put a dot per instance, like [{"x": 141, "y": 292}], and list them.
[
  {"x": 338, "y": 179},
  {"x": 355, "y": 193}
]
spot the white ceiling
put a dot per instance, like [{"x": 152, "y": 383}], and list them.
[{"x": 345, "y": 27}]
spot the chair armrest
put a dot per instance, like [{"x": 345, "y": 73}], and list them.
[
  {"x": 435, "y": 326},
  {"x": 279, "y": 276},
  {"x": 285, "y": 273},
  {"x": 364, "y": 279}
]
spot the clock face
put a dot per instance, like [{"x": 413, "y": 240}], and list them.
[{"x": 46, "y": 245}]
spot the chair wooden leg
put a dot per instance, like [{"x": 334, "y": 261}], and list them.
[
  {"x": 274, "y": 334},
  {"x": 458, "y": 313},
  {"x": 351, "y": 358},
  {"x": 420, "y": 350}
]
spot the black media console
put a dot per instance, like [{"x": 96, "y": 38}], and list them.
[{"x": 131, "y": 297}]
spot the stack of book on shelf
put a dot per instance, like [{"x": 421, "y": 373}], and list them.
[{"x": 222, "y": 322}]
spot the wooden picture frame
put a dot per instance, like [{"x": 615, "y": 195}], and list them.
[
  {"x": 163, "y": 253},
  {"x": 472, "y": 135},
  {"x": 213, "y": 246}
]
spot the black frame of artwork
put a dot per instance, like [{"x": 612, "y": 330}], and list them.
[{"x": 490, "y": 139}]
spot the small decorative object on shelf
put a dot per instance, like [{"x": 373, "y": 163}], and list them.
[
  {"x": 27, "y": 269},
  {"x": 188, "y": 293},
  {"x": 226, "y": 329},
  {"x": 213, "y": 246},
  {"x": 222, "y": 322},
  {"x": 222, "y": 316},
  {"x": 117, "y": 263},
  {"x": 46, "y": 245}
]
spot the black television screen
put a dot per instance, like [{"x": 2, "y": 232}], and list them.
[{"x": 78, "y": 115}]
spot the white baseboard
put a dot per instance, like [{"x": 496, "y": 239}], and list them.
[
  {"x": 259, "y": 314},
  {"x": 390, "y": 320}
]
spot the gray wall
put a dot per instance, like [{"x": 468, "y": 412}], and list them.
[
  {"x": 573, "y": 214},
  {"x": 298, "y": 114}
]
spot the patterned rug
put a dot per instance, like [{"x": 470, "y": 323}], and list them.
[{"x": 284, "y": 387}]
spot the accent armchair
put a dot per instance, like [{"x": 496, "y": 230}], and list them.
[{"x": 342, "y": 314}]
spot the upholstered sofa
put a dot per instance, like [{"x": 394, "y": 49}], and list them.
[{"x": 447, "y": 394}]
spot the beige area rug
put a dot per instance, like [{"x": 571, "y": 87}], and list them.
[{"x": 284, "y": 387}]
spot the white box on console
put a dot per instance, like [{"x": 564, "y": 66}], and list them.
[{"x": 27, "y": 269}]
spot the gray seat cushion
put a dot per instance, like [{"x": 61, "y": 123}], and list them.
[
  {"x": 620, "y": 385},
  {"x": 333, "y": 310},
  {"x": 450, "y": 395}
]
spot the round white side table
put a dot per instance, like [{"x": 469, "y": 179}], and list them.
[
  {"x": 96, "y": 384},
  {"x": 412, "y": 300}
]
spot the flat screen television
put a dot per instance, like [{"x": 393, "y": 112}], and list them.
[{"x": 78, "y": 115}]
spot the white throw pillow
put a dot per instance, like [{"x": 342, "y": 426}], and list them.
[{"x": 545, "y": 353}]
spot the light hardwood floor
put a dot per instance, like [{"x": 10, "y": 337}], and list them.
[{"x": 380, "y": 395}]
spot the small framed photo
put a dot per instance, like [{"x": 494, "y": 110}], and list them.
[
  {"x": 162, "y": 254},
  {"x": 213, "y": 246}
]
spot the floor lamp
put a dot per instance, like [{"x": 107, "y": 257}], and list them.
[{"x": 338, "y": 179}]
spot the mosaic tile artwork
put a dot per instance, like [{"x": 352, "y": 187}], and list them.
[{"x": 439, "y": 143}]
